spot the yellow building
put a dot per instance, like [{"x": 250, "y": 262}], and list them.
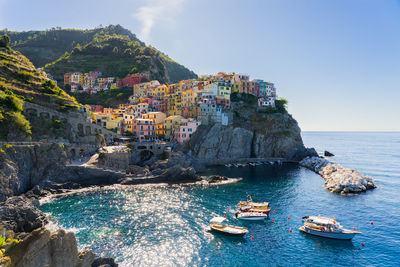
[
  {"x": 236, "y": 88},
  {"x": 159, "y": 92},
  {"x": 188, "y": 98},
  {"x": 169, "y": 124}
]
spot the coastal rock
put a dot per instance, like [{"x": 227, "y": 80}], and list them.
[
  {"x": 104, "y": 262},
  {"x": 328, "y": 154},
  {"x": 216, "y": 178},
  {"x": 20, "y": 214},
  {"x": 266, "y": 136},
  {"x": 23, "y": 167},
  {"x": 42, "y": 248},
  {"x": 338, "y": 179}
]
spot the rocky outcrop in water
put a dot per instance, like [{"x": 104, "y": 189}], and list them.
[
  {"x": 337, "y": 178},
  {"x": 43, "y": 248}
]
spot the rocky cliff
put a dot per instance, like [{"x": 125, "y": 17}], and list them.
[
  {"x": 43, "y": 248},
  {"x": 252, "y": 134}
]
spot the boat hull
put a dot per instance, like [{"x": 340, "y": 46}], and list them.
[
  {"x": 251, "y": 217},
  {"x": 242, "y": 231},
  {"x": 341, "y": 236}
]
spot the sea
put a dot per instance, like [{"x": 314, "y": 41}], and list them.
[{"x": 163, "y": 225}]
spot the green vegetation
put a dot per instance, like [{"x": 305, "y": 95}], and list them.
[
  {"x": 113, "y": 50},
  {"x": 21, "y": 82},
  {"x": 7, "y": 242},
  {"x": 5, "y": 42},
  {"x": 43, "y": 47},
  {"x": 11, "y": 118},
  {"x": 110, "y": 98},
  {"x": 246, "y": 98},
  {"x": 281, "y": 105}
]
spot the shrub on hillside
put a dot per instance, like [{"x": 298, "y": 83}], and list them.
[{"x": 5, "y": 41}]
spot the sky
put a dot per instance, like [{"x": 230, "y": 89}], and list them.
[{"x": 337, "y": 62}]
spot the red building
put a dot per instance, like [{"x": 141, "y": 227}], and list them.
[{"x": 132, "y": 79}]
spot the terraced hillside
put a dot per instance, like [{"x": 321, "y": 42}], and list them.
[
  {"x": 20, "y": 81},
  {"x": 113, "y": 50}
]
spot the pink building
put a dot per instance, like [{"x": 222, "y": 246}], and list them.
[
  {"x": 186, "y": 129},
  {"x": 144, "y": 129}
]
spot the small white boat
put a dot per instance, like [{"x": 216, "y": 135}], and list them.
[
  {"x": 253, "y": 164},
  {"x": 326, "y": 227},
  {"x": 236, "y": 165},
  {"x": 216, "y": 226},
  {"x": 228, "y": 165},
  {"x": 251, "y": 216}
]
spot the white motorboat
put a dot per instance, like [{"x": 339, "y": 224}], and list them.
[
  {"x": 228, "y": 165},
  {"x": 253, "y": 164},
  {"x": 217, "y": 226},
  {"x": 251, "y": 216},
  {"x": 326, "y": 227}
]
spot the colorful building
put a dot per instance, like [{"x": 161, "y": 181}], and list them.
[
  {"x": 185, "y": 130},
  {"x": 170, "y": 123},
  {"x": 158, "y": 119},
  {"x": 144, "y": 129}
]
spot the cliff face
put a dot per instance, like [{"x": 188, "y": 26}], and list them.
[
  {"x": 23, "y": 167},
  {"x": 252, "y": 134}
]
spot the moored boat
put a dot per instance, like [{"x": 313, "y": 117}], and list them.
[
  {"x": 251, "y": 209},
  {"x": 217, "y": 226},
  {"x": 251, "y": 216},
  {"x": 255, "y": 205},
  {"x": 326, "y": 227}
]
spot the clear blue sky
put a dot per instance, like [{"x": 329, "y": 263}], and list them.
[{"x": 336, "y": 61}]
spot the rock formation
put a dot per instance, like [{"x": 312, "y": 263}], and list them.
[
  {"x": 337, "y": 178},
  {"x": 20, "y": 214},
  {"x": 43, "y": 248},
  {"x": 277, "y": 137}
]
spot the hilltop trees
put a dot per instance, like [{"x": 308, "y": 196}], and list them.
[{"x": 5, "y": 41}]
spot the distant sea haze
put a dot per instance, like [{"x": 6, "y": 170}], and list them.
[{"x": 166, "y": 225}]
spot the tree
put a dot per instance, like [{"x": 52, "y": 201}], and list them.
[
  {"x": 5, "y": 41},
  {"x": 67, "y": 87},
  {"x": 281, "y": 105}
]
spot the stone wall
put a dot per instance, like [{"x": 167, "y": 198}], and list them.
[{"x": 80, "y": 129}]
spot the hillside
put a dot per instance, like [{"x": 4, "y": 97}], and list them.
[
  {"x": 43, "y": 47},
  {"x": 65, "y": 50},
  {"x": 113, "y": 55},
  {"x": 20, "y": 81}
]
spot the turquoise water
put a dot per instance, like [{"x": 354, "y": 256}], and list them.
[{"x": 166, "y": 225}]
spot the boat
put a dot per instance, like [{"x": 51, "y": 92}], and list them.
[
  {"x": 228, "y": 165},
  {"x": 326, "y": 227},
  {"x": 251, "y": 216},
  {"x": 252, "y": 164},
  {"x": 217, "y": 226},
  {"x": 252, "y": 204},
  {"x": 266, "y": 163},
  {"x": 251, "y": 209},
  {"x": 236, "y": 165},
  {"x": 258, "y": 163}
]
